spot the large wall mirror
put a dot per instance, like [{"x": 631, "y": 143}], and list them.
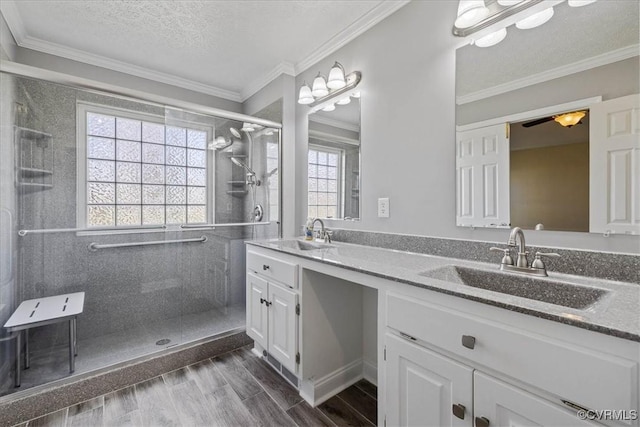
[
  {"x": 334, "y": 162},
  {"x": 516, "y": 163}
]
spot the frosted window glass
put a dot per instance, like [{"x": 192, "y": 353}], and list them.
[
  {"x": 128, "y": 172},
  {"x": 313, "y": 198},
  {"x": 332, "y": 186},
  {"x": 322, "y": 158},
  {"x": 153, "y": 132},
  {"x": 322, "y": 198},
  {"x": 128, "y": 129},
  {"x": 176, "y": 195},
  {"x": 128, "y": 215},
  {"x": 197, "y": 177},
  {"x": 129, "y": 151},
  {"x": 176, "y": 214},
  {"x": 272, "y": 164},
  {"x": 313, "y": 184},
  {"x": 101, "y": 193},
  {"x": 332, "y": 212},
  {"x": 313, "y": 170},
  {"x": 176, "y": 136},
  {"x": 197, "y": 158},
  {"x": 333, "y": 159},
  {"x": 322, "y": 185},
  {"x": 128, "y": 194},
  {"x": 322, "y": 211},
  {"x": 332, "y": 199},
  {"x": 196, "y": 139},
  {"x": 312, "y": 211},
  {"x": 100, "y": 148},
  {"x": 101, "y": 125},
  {"x": 153, "y": 194},
  {"x": 152, "y": 215},
  {"x": 153, "y": 174},
  {"x": 101, "y": 216},
  {"x": 153, "y": 153},
  {"x": 197, "y": 214},
  {"x": 313, "y": 156},
  {"x": 272, "y": 150},
  {"x": 176, "y": 156},
  {"x": 196, "y": 195},
  {"x": 176, "y": 175},
  {"x": 322, "y": 171},
  {"x": 100, "y": 170},
  {"x": 332, "y": 173}
]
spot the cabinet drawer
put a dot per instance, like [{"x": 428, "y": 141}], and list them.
[
  {"x": 273, "y": 268},
  {"x": 582, "y": 376}
]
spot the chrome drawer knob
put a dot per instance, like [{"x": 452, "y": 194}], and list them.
[{"x": 468, "y": 341}]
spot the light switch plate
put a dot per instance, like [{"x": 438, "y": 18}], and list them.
[{"x": 383, "y": 207}]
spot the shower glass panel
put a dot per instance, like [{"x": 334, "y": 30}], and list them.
[{"x": 119, "y": 199}]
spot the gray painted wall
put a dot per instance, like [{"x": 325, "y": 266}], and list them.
[{"x": 408, "y": 132}]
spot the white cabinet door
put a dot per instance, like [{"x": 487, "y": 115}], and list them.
[
  {"x": 283, "y": 325},
  {"x": 422, "y": 387},
  {"x": 482, "y": 177},
  {"x": 257, "y": 309},
  {"x": 614, "y": 166},
  {"x": 502, "y": 404}
]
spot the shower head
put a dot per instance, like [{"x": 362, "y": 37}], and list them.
[
  {"x": 235, "y": 133},
  {"x": 243, "y": 166}
]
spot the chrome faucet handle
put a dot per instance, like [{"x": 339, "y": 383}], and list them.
[
  {"x": 538, "y": 263},
  {"x": 506, "y": 258},
  {"x": 327, "y": 236}
]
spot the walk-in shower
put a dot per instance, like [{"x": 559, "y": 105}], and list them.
[{"x": 138, "y": 205}]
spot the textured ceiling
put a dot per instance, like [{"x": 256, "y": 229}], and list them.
[
  {"x": 223, "y": 44},
  {"x": 572, "y": 35}
]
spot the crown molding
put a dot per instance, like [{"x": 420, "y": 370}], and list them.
[
  {"x": 334, "y": 122},
  {"x": 259, "y": 83},
  {"x": 329, "y": 137},
  {"x": 371, "y": 18},
  {"x": 566, "y": 70}
]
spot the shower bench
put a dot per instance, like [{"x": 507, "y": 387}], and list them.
[{"x": 45, "y": 311}]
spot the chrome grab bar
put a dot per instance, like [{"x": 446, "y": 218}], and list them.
[
  {"x": 23, "y": 233},
  {"x": 230, "y": 224},
  {"x": 93, "y": 247}
]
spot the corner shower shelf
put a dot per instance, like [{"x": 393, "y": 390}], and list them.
[
  {"x": 238, "y": 192},
  {"x": 237, "y": 182},
  {"x": 33, "y": 172},
  {"x": 34, "y": 168}
]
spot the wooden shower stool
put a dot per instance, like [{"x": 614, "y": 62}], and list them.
[{"x": 45, "y": 311}]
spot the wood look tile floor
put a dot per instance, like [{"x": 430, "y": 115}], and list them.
[{"x": 234, "y": 389}]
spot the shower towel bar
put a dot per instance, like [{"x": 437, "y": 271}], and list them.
[
  {"x": 71, "y": 230},
  {"x": 230, "y": 224},
  {"x": 95, "y": 246}
]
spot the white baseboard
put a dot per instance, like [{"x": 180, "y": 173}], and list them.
[
  {"x": 370, "y": 372},
  {"x": 316, "y": 392}
]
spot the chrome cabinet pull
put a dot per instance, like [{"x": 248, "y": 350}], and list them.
[
  {"x": 458, "y": 410},
  {"x": 265, "y": 267},
  {"x": 482, "y": 422},
  {"x": 469, "y": 341}
]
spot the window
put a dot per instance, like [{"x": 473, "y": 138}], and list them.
[
  {"x": 140, "y": 171},
  {"x": 272, "y": 179},
  {"x": 324, "y": 176}
]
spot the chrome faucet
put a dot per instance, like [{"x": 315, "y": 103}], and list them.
[
  {"x": 323, "y": 235},
  {"x": 516, "y": 232},
  {"x": 537, "y": 268}
]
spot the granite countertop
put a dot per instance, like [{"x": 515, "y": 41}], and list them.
[{"x": 604, "y": 306}]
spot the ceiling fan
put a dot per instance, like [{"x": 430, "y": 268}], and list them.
[{"x": 566, "y": 119}]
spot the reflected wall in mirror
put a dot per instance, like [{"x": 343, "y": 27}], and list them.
[
  {"x": 334, "y": 163},
  {"x": 516, "y": 165}
]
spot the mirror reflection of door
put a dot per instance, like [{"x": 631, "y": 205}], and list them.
[{"x": 333, "y": 163}]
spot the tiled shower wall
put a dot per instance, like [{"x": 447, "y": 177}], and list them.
[{"x": 124, "y": 287}]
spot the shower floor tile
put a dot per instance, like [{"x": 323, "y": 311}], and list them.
[{"x": 99, "y": 352}]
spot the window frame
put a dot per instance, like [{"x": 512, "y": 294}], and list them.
[
  {"x": 340, "y": 179},
  {"x": 82, "y": 184}
]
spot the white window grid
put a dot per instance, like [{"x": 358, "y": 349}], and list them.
[
  {"x": 273, "y": 180},
  {"x": 324, "y": 182},
  {"x": 136, "y": 170}
]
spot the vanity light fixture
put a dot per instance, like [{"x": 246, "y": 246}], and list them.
[
  {"x": 579, "y": 3},
  {"x": 470, "y": 12},
  {"x": 329, "y": 107},
  {"x": 508, "y": 2},
  {"x": 338, "y": 84},
  {"x": 247, "y": 127},
  {"x": 570, "y": 119},
  {"x": 535, "y": 20},
  {"x": 492, "y": 39}
]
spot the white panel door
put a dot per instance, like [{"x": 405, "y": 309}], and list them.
[
  {"x": 502, "y": 404},
  {"x": 482, "y": 169},
  {"x": 422, "y": 387},
  {"x": 257, "y": 309},
  {"x": 614, "y": 166},
  {"x": 283, "y": 325}
]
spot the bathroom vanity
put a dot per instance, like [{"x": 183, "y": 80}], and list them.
[{"x": 447, "y": 341}]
